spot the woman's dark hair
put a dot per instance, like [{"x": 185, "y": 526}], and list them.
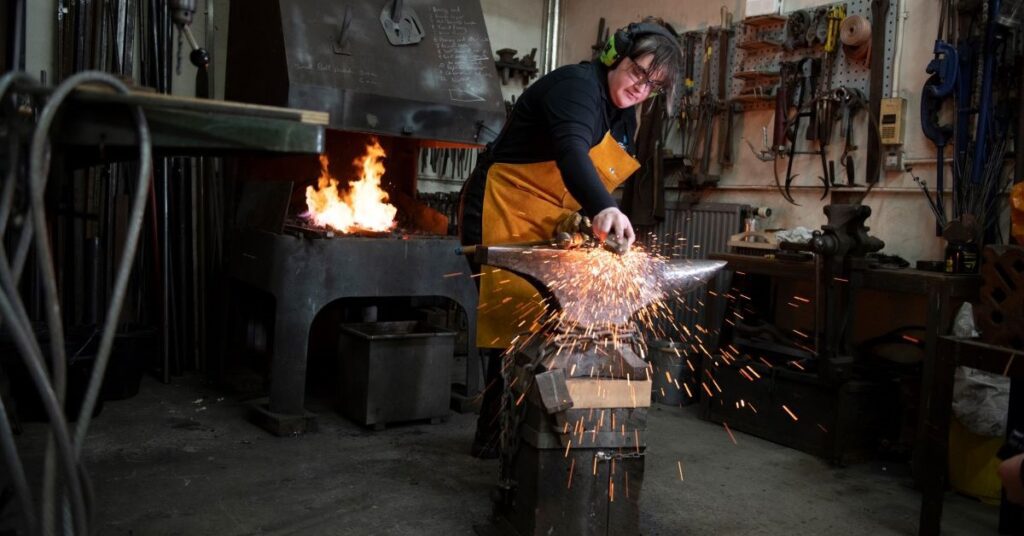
[{"x": 667, "y": 54}]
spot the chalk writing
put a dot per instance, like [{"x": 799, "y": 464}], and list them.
[{"x": 463, "y": 60}]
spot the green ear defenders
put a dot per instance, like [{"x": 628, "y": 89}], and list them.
[{"x": 620, "y": 44}]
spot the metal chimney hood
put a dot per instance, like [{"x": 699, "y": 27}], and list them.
[{"x": 419, "y": 69}]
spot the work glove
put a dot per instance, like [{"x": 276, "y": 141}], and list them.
[
  {"x": 611, "y": 221},
  {"x": 573, "y": 223}
]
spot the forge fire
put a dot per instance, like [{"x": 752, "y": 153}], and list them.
[{"x": 362, "y": 206}]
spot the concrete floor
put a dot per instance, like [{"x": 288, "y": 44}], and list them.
[{"x": 181, "y": 459}]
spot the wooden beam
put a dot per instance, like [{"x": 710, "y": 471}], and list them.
[{"x": 605, "y": 393}]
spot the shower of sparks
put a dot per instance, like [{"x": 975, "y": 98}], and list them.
[
  {"x": 790, "y": 412},
  {"x": 453, "y": 274},
  {"x": 593, "y": 287},
  {"x": 732, "y": 437}
]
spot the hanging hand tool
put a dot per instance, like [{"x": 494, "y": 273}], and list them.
[
  {"x": 833, "y": 17},
  {"x": 602, "y": 40},
  {"x": 340, "y": 45},
  {"x": 939, "y": 135},
  {"x": 794, "y": 131},
  {"x": 836, "y": 15},
  {"x": 781, "y": 107},
  {"x": 182, "y": 12},
  {"x": 983, "y": 132},
  {"x": 825, "y": 107},
  {"x": 787, "y": 84},
  {"x": 706, "y": 113},
  {"x": 945, "y": 65},
  {"x": 686, "y": 108},
  {"x": 725, "y": 149},
  {"x": 766, "y": 154},
  {"x": 820, "y": 18},
  {"x": 879, "y": 14},
  {"x": 401, "y": 24},
  {"x": 851, "y": 101},
  {"x": 791, "y": 130},
  {"x": 724, "y": 105},
  {"x": 812, "y": 91},
  {"x": 943, "y": 69},
  {"x": 62, "y": 17},
  {"x": 796, "y": 29}
]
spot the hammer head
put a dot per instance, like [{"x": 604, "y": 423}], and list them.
[{"x": 593, "y": 287}]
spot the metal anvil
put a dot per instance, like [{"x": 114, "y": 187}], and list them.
[{"x": 595, "y": 288}]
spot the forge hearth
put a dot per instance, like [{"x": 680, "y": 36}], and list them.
[
  {"x": 305, "y": 275},
  {"x": 301, "y": 54}
]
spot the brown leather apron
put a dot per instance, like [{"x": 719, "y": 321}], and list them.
[{"x": 524, "y": 203}]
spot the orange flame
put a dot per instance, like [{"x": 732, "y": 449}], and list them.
[{"x": 363, "y": 206}]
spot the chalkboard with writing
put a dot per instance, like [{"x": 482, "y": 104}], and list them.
[{"x": 336, "y": 56}]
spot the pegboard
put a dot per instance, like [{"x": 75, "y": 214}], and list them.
[{"x": 758, "y": 49}]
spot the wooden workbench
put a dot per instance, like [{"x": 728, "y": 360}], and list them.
[
  {"x": 97, "y": 119},
  {"x": 944, "y": 293}
]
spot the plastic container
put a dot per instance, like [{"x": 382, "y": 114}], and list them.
[
  {"x": 394, "y": 371},
  {"x": 973, "y": 464}
]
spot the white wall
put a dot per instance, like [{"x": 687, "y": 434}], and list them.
[
  {"x": 517, "y": 25},
  {"x": 40, "y": 24},
  {"x": 900, "y": 213}
]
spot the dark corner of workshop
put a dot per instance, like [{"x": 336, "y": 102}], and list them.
[{"x": 478, "y": 267}]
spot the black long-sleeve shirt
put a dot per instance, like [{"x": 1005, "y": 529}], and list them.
[{"x": 561, "y": 117}]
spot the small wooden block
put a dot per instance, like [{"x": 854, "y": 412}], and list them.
[{"x": 605, "y": 393}]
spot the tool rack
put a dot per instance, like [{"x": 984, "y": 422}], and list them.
[{"x": 756, "y": 52}]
